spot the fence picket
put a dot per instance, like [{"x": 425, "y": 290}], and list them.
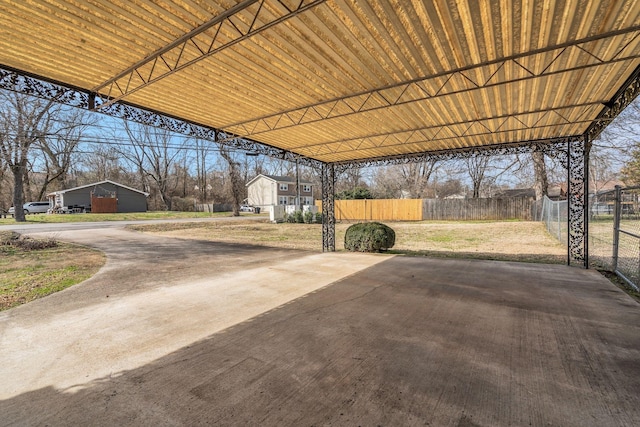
[{"x": 433, "y": 209}]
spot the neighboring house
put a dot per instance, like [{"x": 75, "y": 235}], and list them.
[
  {"x": 599, "y": 187},
  {"x": 100, "y": 197},
  {"x": 456, "y": 196},
  {"x": 269, "y": 190}
]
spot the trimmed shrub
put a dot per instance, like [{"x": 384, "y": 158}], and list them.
[
  {"x": 369, "y": 237},
  {"x": 297, "y": 215},
  {"x": 319, "y": 217},
  {"x": 308, "y": 217}
]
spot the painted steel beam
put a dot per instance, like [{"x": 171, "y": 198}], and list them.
[
  {"x": 496, "y": 73},
  {"x": 215, "y": 35},
  {"x": 555, "y": 148},
  {"x": 490, "y": 125},
  {"x": 16, "y": 81}
]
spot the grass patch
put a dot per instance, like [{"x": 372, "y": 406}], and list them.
[
  {"x": 27, "y": 273},
  {"x": 133, "y": 216},
  {"x": 513, "y": 240},
  {"x": 284, "y": 235}
]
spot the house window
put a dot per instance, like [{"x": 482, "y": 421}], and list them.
[
  {"x": 284, "y": 187},
  {"x": 282, "y": 200},
  {"x": 306, "y": 188}
]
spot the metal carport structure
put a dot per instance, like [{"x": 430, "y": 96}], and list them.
[{"x": 336, "y": 83}]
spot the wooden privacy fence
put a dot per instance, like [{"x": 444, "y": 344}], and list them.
[
  {"x": 433, "y": 209},
  {"x": 377, "y": 209},
  {"x": 479, "y": 209}
]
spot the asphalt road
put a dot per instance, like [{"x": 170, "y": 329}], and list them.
[{"x": 30, "y": 227}]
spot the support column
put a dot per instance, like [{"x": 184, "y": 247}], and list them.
[
  {"x": 578, "y": 201},
  {"x": 328, "y": 208}
]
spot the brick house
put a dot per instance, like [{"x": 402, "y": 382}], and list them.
[{"x": 269, "y": 190}]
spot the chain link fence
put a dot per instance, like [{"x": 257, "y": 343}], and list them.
[
  {"x": 614, "y": 230},
  {"x": 625, "y": 257},
  {"x": 554, "y": 214}
]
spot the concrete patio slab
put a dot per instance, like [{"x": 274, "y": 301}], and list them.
[{"x": 405, "y": 341}]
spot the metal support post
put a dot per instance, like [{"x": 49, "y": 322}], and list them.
[
  {"x": 616, "y": 227},
  {"x": 587, "y": 201},
  {"x": 328, "y": 208},
  {"x": 577, "y": 202}
]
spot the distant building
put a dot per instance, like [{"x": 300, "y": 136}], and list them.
[
  {"x": 270, "y": 190},
  {"x": 100, "y": 197},
  {"x": 515, "y": 192},
  {"x": 455, "y": 196},
  {"x": 557, "y": 191}
]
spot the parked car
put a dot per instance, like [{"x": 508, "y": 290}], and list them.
[
  {"x": 32, "y": 208},
  {"x": 246, "y": 208}
]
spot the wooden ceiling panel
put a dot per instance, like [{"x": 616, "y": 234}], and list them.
[{"x": 338, "y": 80}]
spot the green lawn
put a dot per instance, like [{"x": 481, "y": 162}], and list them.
[
  {"x": 90, "y": 217},
  {"x": 28, "y": 274},
  {"x": 513, "y": 241}
]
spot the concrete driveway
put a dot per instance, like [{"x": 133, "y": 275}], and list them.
[{"x": 177, "y": 332}]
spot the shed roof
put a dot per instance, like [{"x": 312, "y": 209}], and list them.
[
  {"x": 335, "y": 80},
  {"x": 96, "y": 184}
]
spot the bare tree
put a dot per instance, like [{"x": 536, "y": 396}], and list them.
[
  {"x": 154, "y": 152},
  {"x": 477, "y": 168},
  {"x": 237, "y": 187},
  {"x": 24, "y": 121},
  {"x": 102, "y": 162},
  {"x": 3, "y": 183},
  {"x": 60, "y": 149},
  {"x": 449, "y": 187},
  {"x": 202, "y": 151},
  {"x": 388, "y": 182},
  {"x": 417, "y": 175},
  {"x": 541, "y": 180},
  {"x": 619, "y": 146},
  {"x": 274, "y": 166}
]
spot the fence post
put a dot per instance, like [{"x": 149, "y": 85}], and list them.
[
  {"x": 616, "y": 227},
  {"x": 559, "y": 222}
]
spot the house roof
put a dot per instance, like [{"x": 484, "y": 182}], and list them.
[
  {"x": 107, "y": 181},
  {"x": 336, "y": 80},
  {"x": 279, "y": 179},
  {"x": 605, "y": 186}
]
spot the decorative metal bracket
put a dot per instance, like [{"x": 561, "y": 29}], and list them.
[
  {"x": 328, "y": 208},
  {"x": 19, "y": 82},
  {"x": 554, "y": 148}
]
